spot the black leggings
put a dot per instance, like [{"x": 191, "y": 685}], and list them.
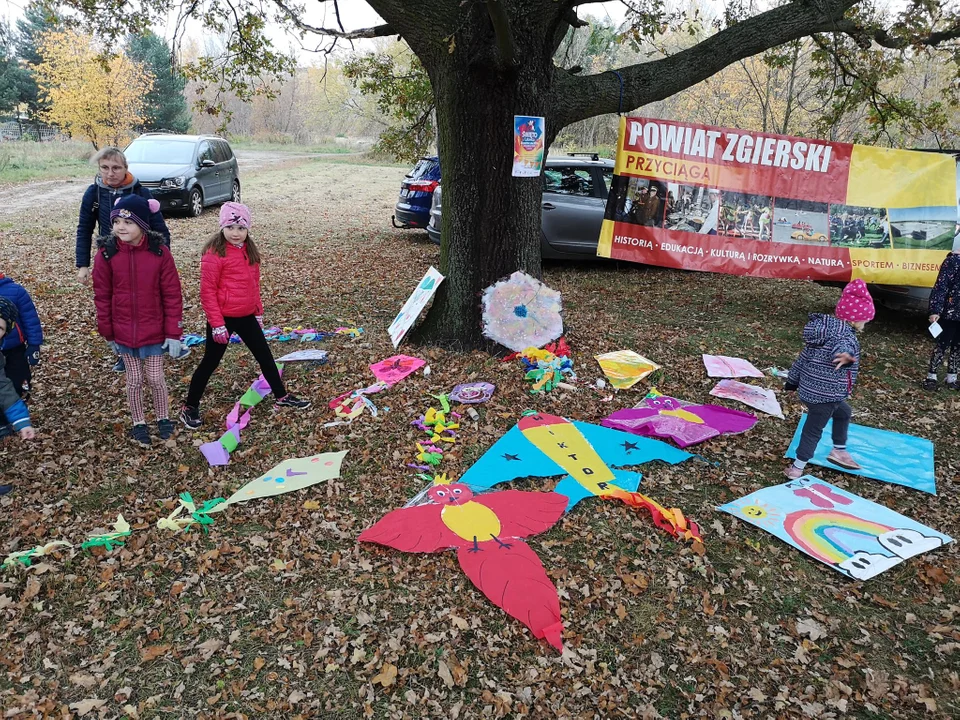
[
  {"x": 251, "y": 333},
  {"x": 947, "y": 342}
]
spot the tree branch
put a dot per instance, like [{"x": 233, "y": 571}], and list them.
[
  {"x": 577, "y": 98},
  {"x": 501, "y": 28},
  {"x": 370, "y": 32},
  {"x": 863, "y": 35}
]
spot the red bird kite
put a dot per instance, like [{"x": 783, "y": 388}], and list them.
[{"x": 486, "y": 531}]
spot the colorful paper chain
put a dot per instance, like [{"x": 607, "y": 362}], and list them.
[
  {"x": 545, "y": 370},
  {"x": 435, "y": 424}
]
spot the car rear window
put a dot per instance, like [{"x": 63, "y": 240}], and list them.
[
  {"x": 423, "y": 169},
  {"x": 161, "y": 151}
]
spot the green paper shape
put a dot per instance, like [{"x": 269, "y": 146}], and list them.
[
  {"x": 250, "y": 398},
  {"x": 229, "y": 440}
]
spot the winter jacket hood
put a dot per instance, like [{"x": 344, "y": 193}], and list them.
[
  {"x": 818, "y": 380},
  {"x": 229, "y": 285},
  {"x": 28, "y": 331},
  {"x": 137, "y": 292}
]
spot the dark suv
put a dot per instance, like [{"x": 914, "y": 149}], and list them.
[{"x": 185, "y": 172}]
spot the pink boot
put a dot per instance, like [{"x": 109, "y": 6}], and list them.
[
  {"x": 843, "y": 459},
  {"x": 793, "y": 472}
]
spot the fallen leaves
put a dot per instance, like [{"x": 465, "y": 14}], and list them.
[
  {"x": 152, "y": 652},
  {"x": 387, "y": 675}
]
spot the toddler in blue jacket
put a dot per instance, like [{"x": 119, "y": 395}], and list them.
[
  {"x": 21, "y": 346},
  {"x": 824, "y": 374}
]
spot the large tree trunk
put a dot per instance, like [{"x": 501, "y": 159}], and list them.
[{"x": 491, "y": 220}]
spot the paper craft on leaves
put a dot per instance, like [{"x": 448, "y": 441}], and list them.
[
  {"x": 414, "y": 306},
  {"x": 854, "y": 536},
  {"x": 109, "y": 540},
  {"x": 288, "y": 476},
  {"x": 351, "y": 404},
  {"x": 625, "y": 368},
  {"x": 218, "y": 451},
  {"x": 486, "y": 531},
  {"x": 472, "y": 393},
  {"x": 396, "y": 368},
  {"x": 686, "y": 424},
  {"x": 760, "y": 398},
  {"x": 521, "y": 312},
  {"x": 882, "y": 455},
  {"x": 195, "y": 516},
  {"x": 543, "y": 445},
  {"x": 26, "y": 557},
  {"x": 723, "y": 366},
  {"x": 301, "y": 355}
]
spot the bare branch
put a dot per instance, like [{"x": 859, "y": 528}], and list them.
[
  {"x": 370, "y": 32},
  {"x": 864, "y": 35}
]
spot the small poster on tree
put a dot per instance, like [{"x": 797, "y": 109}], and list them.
[{"x": 528, "y": 135}]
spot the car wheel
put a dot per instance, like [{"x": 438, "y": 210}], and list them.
[
  {"x": 235, "y": 195},
  {"x": 196, "y": 202}
]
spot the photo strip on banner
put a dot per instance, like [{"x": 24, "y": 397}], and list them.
[{"x": 715, "y": 199}]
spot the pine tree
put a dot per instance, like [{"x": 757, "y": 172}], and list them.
[
  {"x": 165, "y": 106},
  {"x": 39, "y": 17}
]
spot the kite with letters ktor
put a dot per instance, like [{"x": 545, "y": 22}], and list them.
[
  {"x": 486, "y": 531},
  {"x": 543, "y": 445}
]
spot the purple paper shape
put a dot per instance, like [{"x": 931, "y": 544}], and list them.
[
  {"x": 236, "y": 420},
  {"x": 215, "y": 453},
  {"x": 668, "y": 418},
  {"x": 292, "y": 473},
  {"x": 472, "y": 393}
]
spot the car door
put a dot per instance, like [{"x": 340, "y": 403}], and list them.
[
  {"x": 207, "y": 173},
  {"x": 574, "y": 198},
  {"x": 221, "y": 154}
]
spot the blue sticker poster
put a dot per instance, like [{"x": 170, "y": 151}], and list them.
[
  {"x": 882, "y": 455},
  {"x": 854, "y": 536},
  {"x": 528, "y": 139}
]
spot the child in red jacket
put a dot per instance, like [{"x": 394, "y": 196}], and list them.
[
  {"x": 230, "y": 295},
  {"x": 136, "y": 289}
]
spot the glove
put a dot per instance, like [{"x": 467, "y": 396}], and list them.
[
  {"x": 33, "y": 354},
  {"x": 220, "y": 335},
  {"x": 173, "y": 346},
  {"x": 791, "y": 387},
  {"x": 260, "y": 321},
  {"x": 113, "y": 346}
]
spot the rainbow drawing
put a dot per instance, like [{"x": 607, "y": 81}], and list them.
[{"x": 830, "y": 535}]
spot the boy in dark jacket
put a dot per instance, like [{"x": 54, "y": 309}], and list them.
[
  {"x": 945, "y": 310},
  {"x": 21, "y": 346},
  {"x": 824, "y": 375},
  {"x": 13, "y": 410}
]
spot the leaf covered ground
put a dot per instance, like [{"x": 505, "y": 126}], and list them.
[{"x": 279, "y": 612}]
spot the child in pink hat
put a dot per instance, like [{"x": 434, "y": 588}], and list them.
[{"x": 824, "y": 374}]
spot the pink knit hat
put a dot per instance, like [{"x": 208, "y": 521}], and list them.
[
  {"x": 233, "y": 213},
  {"x": 855, "y": 304}
]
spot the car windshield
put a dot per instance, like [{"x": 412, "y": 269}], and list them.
[
  {"x": 422, "y": 169},
  {"x": 166, "y": 152}
]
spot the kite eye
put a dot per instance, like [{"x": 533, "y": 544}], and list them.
[
  {"x": 441, "y": 493},
  {"x": 457, "y": 491}
]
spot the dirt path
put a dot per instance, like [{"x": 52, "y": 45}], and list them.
[{"x": 63, "y": 193}]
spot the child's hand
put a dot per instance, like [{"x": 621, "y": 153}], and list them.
[
  {"x": 83, "y": 275},
  {"x": 842, "y": 359},
  {"x": 220, "y": 335},
  {"x": 933, "y": 319},
  {"x": 28, "y": 433}
]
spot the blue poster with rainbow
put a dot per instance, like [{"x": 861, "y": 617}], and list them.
[{"x": 854, "y": 536}]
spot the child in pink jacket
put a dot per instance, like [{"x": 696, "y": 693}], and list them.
[{"x": 230, "y": 295}]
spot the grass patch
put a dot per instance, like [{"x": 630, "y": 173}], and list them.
[{"x": 25, "y": 161}]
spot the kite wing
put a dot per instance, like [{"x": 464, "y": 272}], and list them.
[
  {"x": 523, "y": 514},
  {"x": 412, "y": 529},
  {"x": 509, "y": 458},
  {"x": 620, "y": 449},
  {"x": 575, "y": 492},
  {"x": 513, "y": 579}
]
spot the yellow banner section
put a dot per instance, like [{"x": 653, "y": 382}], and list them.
[
  {"x": 885, "y": 178},
  {"x": 916, "y": 268},
  {"x": 606, "y": 239},
  {"x": 687, "y": 172}
]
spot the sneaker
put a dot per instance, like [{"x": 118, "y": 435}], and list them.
[
  {"x": 843, "y": 459},
  {"x": 5, "y": 489},
  {"x": 292, "y": 401},
  {"x": 140, "y": 434},
  {"x": 929, "y": 384},
  {"x": 119, "y": 365},
  {"x": 793, "y": 472},
  {"x": 190, "y": 416},
  {"x": 955, "y": 385},
  {"x": 165, "y": 428}
]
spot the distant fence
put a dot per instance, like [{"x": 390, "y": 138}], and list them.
[{"x": 12, "y": 130}]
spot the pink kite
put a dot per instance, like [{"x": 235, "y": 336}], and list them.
[
  {"x": 396, "y": 368},
  {"x": 756, "y": 397},
  {"x": 665, "y": 417},
  {"x": 723, "y": 366}
]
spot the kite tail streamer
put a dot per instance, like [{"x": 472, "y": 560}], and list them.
[{"x": 670, "y": 519}]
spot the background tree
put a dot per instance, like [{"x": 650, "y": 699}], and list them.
[
  {"x": 488, "y": 60},
  {"x": 39, "y": 17},
  {"x": 165, "y": 107},
  {"x": 13, "y": 78},
  {"x": 90, "y": 94}
]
